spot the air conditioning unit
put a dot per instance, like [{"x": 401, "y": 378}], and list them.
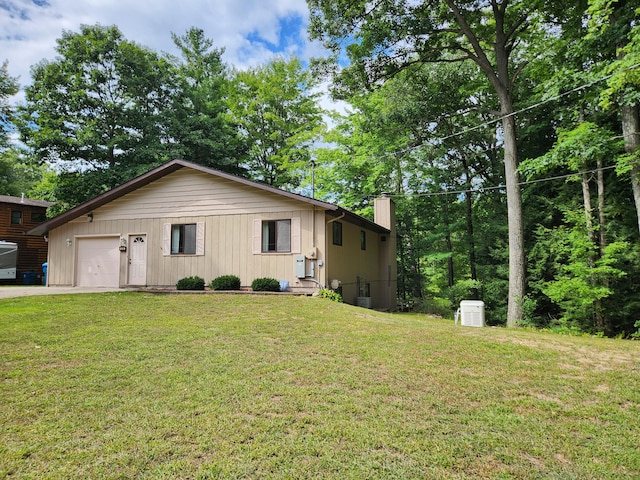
[
  {"x": 364, "y": 302},
  {"x": 472, "y": 313}
]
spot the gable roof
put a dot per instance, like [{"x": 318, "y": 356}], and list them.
[
  {"x": 25, "y": 201},
  {"x": 174, "y": 165}
]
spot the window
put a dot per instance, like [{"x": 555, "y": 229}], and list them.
[
  {"x": 38, "y": 217},
  {"x": 276, "y": 236},
  {"x": 183, "y": 239},
  {"x": 363, "y": 240},
  {"x": 16, "y": 217},
  {"x": 337, "y": 233}
]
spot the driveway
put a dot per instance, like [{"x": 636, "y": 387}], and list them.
[{"x": 26, "y": 291}]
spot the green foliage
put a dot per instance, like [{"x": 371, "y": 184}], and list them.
[
  {"x": 8, "y": 87},
  {"x": 330, "y": 294},
  {"x": 197, "y": 118},
  {"x": 190, "y": 283},
  {"x": 463, "y": 290},
  {"x": 578, "y": 149},
  {"x": 580, "y": 279},
  {"x": 276, "y": 108},
  {"x": 225, "y": 282},
  {"x": 97, "y": 108},
  {"x": 616, "y": 24},
  {"x": 265, "y": 284},
  {"x": 18, "y": 174}
]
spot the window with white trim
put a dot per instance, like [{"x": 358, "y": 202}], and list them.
[
  {"x": 184, "y": 238},
  {"x": 276, "y": 236}
]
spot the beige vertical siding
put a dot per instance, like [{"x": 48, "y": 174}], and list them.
[
  {"x": 227, "y": 210},
  {"x": 348, "y": 261}
]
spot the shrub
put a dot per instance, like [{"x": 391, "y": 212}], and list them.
[
  {"x": 190, "y": 283},
  {"x": 265, "y": 284},
  {"x": 330, "y": 294},
  {"x": 225, "y": 282}
]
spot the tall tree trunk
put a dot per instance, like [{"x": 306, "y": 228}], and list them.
[
  {"x": 601, "y": 318},
  {"x": 588, "y": 212},
  {"x": 450, "y": 269},
  {"x": 502, "y": 82},
  {"x": 586, "y": 202},
  {"x": 514, "y": 219},
  {"x": 601, "y": 217},
  {"x": 472, "y": 246},
  {"x": 631, "y": 134}
]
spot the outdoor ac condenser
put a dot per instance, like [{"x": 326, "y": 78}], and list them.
[{"x": 472, "y": 313}]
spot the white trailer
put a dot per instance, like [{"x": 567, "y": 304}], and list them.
[{"x": 8, "y": 260}]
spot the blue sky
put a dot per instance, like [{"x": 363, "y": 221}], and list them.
[{"x": 251, "y": 31}]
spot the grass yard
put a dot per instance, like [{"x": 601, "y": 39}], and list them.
[{"x": 133, "y": 385}]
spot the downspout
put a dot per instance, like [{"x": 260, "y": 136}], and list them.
[
  {"x": 313, "y": 228},
  {"x": 336, "y": 219}
]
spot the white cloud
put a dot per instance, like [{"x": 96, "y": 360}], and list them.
[{"x": 249, "y": 30}]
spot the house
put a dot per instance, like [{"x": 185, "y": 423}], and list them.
[
  {"x": 183, "y": 219},
  {"x": 17, "y": 216}
]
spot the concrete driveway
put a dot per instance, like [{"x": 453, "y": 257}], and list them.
[{"x": 26, "y": 291}]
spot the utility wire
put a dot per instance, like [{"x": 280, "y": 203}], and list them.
[
  {"x": 498, "y": 187},
  {"x": 499, "y": 119}
]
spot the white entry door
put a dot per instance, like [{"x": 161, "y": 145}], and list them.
[
  {"x": 137, "y": 260},
  {"x": 98, "y": 262}
]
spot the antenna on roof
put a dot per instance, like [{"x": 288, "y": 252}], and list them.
[{"x": 313, "y": 178}]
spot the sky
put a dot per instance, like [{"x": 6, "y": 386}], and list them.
[{"x": 250, "y": 31}]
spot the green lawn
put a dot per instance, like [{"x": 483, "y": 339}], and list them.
[{"x": 133, "y": 385}]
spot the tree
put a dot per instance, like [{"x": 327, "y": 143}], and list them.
[
  {"x": 97, "y": 110},
  {"x": 18, "y": 174},
  {"x": 385, "y": 37},
  {"x": 617, "y": 22},
  {"x": 583, "y": 262},
  {"x": 8, "y": 87},
  {"x": 199, "y": 124},
  {"x": 277, "y": 111}
]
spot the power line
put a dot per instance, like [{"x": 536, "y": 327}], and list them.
[
  {"x": 498, "y": 187},
  {"x": 499, "y": 119}
]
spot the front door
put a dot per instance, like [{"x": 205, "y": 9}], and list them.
[{"x": 137, "y": 260}]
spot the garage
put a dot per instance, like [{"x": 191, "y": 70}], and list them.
[{"x": 98, "y": 262}]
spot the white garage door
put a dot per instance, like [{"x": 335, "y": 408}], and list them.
[{"x": 98, "y": 262}]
